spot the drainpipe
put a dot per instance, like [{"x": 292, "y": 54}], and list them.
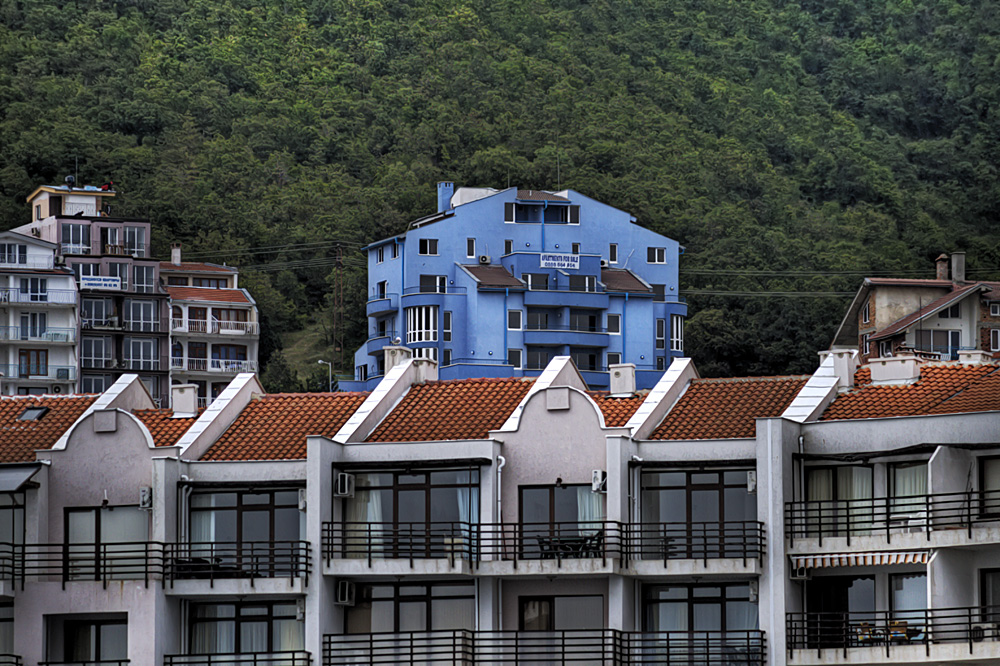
[
  {"x": 506, "y": 293},
  {"x": 544, "y": 208},
  {"x": 624, "y": 328},
  {"x": 501, "y": 461}
]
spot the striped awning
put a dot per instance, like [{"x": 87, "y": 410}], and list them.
[{"x": 859, "y": 559}]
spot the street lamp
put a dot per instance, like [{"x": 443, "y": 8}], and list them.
[{"x": 329, "y": 374}]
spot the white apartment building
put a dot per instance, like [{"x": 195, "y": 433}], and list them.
[
  {"x": 842, "y": 517},
  {"x": 38, "y": 322}
]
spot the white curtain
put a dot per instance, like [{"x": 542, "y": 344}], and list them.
[
  {"x": 129, "y": 526},
  {"x": 854, "y": 488},
  {"x": 364, "y": 518},
  {"x": 468, "y": 511},
  {"x": 991, "y": 486},
  {"x": 819, "y": 493},
  {"x": 589, "y": 510},
  {"x": 909, "y": 482},
  {"x": 214, "y": 637},
  {"x": 741, "y": 616}
]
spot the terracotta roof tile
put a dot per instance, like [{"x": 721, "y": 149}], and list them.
[
  {"x": 275, "y": 427},
  {"x": 164, "y": 428},
  {"x": 494, "y": 276},
  {"x": 620, "y": 279},
  {"x": 457, "y": 409},
  {"x": 208, "y": 294},
  {"x": 942, "y": 388},
  {"x": 726, "y": 408},
  {"x": 195, "y": 267},
  {"x": 20, "y": 439},
  {"x": 617, "y": 411}
]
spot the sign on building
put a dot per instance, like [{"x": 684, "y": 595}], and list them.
[
  {"x": 106, "y": 282},
  {"x": 570, "y": 261}
]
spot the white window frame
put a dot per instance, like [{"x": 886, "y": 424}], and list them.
[
  {"x": 95, "y": 383},
  {"x": 14, "y": 254},
  {"x": 865, "y": 344},
  {"x": 995, "y": 339},
  {"x": 614, "y": 358},
  {"x": 520, "y": 357},
  {"x": 676, "y": 333},
  {"x": 429, "y": 353},
  {"x": 135, "y": 241},
  {"x": 147, "y": 358},
  {"x": 613, "y": 253},
  {"x": 428, "y": 247},
  {"x": 658, "y": 255},
  {"x": 951, "y": 312},
  {"x": 470, "y": 248},
  {"x": 519, "y": 314},
  {"x": 422, "y": 324},
  {"x": 395, "y": 251},
  {"x": 120, "y": 271},
  {"x": 142, "y": 315},
  {"x": 381, "y": 289},
  {"x": 380, "y": 254},
  {"x": 618, "y": 327},
  {"x": 147, "y": 273},
  {"x": 661, "y": 333},
  {"x": 995, "y": 309},
  {"x": 91, "y": 352},
  {"x": 866, "y": 314}
]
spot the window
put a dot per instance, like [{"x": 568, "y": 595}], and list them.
[
  {"x": 538, "y": 358},
  {"x": 676, "y": 333},
  {"x": 145, "y": 281},
  {"x": 361, "y": 373},
  {"x": 100, "y": 542},
  {"x": 508, "y": 212},
  {"x": 995, "y": 339},
  {"x": 885, "y": 348},
  {"x": 433, "y": 284},
  {"x": 428, "y": 246},
  {"x": 550, "y": 516},
  {"x": 942, "y": 342},
  {"x": 508, "y": 246},
  {"x": 866, "y": 314},
  {"x": 103, "y": 640},
  {"x": 514, "y": 358},
  {"x": 989, "y": 486},
  {"x": 574, "y": 215},
  {"x": 995, "y": 309},
  {"x": 230, "y": 358},
  {"x": 177, "y": 281},
  {"x": 422, "y": 324},
  {"x": 908, "y": 602},
  {"x": 86, "y": 269},
  {"x": 211, "y": 283},
  {"x": 659, "y": 292},
  {"x": 470, "y": 248},
  {"x": 381, "y": 328},
  {"x": 538, "y": 321},
  {"x": 32, "y": 363},
  {"x": 230, "y": 315},
  {"x": 953, "y": 312},
  {"x": 614, "y": 358},
  {"x": 908, "y": 490},
  {"x": 575, "y": 248},
  {"x": 119, "y": 271},
  {"x": 412, "y": 606},
  {"x": 394, "y": 250},
  {"x": 381, "y": 289},
  {"x": 661, "y": 363},
  {"x": 75, "y": 238},
  {"x": 111, "y": 241},
  {"x": 561, "y": 613},
  {"x": 446, "y": 326},
  {"x": 513, "y": 320},
  {"x": 140, "y": 354},
  {"x": 582, "y": 283},
  {"x": 536, "y": 281},
  {"x": 135, "y": 241},
  {"x": 614, "y": 323},
  {"x": 379, "y": 254},
  {"x": 661, "y": 333},
  {"x": 445, "y": 357},
  {"x": 12, "y": 253},
  {"x": 141, "y": 316},
  {"x": 34, "y": 326},
  {"x": 839, "y": 500},
  {"x": 866, "y": 344},
  {"x": 583, "y": 320},
  {"x": 656, "y": 255},
  {"x": 95, "y": 383},
  {"x": 721, "y": 607},
  {"x": 7, "y": 628},
  {"x": 34, "y": 290},
  {"x": 989, "y": 589},
  {"x": 613, "y": 253},
  {"x": 584, "y": 359},
  {"x": 33, "y": 413},
  {"x": 38, "y": 211},
  {"x": 246, "y": 627}
]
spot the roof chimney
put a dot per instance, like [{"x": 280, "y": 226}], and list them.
[
  {"x": 184, "y": 400},
  {"x": 901, "y": 369},
  {"x": 622, "y": 379},
  {"x": 175, "y": 254},
  {"x": 942, "y": 267},
  {"x": 445, "y": 191},
  {"x": 396, "y": 355},
  {"x": 958, "y": 266}
]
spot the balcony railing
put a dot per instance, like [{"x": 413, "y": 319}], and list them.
[
  {"x": 50, "y": 296},
  {"x": 697, "y": 541},
  {"x": 11, "y": 660},
  {"x": 37, "y": 334},
  {"x": 13, "y": 261},
  {"x": 892, "y": 629},
  {"x": 143, "y": 326},
  {"x": 598, "y": 647},
  {"x": 39, "y": 372},
  {"x": 214, "y": 327},
  {"x": 288, "y": 658},
  {"x": 88, "y": 662},
  {"x": 890, "y": 516},
  {"x": 148, "y": 364},
  {"x": 252, "y": 559},
  {"x": 75, "y": 248},
  {"x": 100, "y": 562},
  {"x": 211, "y": 365}
]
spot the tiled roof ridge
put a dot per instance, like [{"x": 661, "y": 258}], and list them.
[
  {"x": 736, "y": 380},
  {"x": 476, "y": 380},
  {"x": 49, "y": 396},
  {"x": 304, "y": 394},
  {"x": 968, "y": 384}
]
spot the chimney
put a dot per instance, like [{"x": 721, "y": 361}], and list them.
[
  {"x": 175, "y": 254},
  {"x": 844, "y": 364},
  {"x": 395, "y": 355},
  {"x": 942, "y": 267},
  {"x": 184, "y": 400},
  {"x": 622, "y": 379},
  {"x": 958, "y": 267},
  {"x": 445, "y": 191},
  {"x": 898, "y": 370}
]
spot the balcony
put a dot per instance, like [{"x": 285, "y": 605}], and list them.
[
  {"x": 37, "y": 334},
  {"x": 89, "y": 662},
  {"x": 382, "y": 304},
  {"x": 142, "y": 364},
  {"x": 925, "y": 635},
  {"x": 14, "y": 261},
  {"x": 375, "y": 344},
  {"x": 11, "y": 660},
  {"x": 219, "y": 560},
  {"x": 214, "y": 327},
  {"x": 75, "y": 248},
  {"x": 606, "y": 647},
  {"x": 48, "y": 297},
  {"x": 87, "y": 562},
  {"x": 563, "y": 296},
  {"x": 38, "y": 372},
  {"x": 555, "y": 336},
  {"x": 726, "y": 547},
  {"x": 298, "y": 658},
  {"x": 940, "y": 519},
  {"x": 144, "y": 325}
]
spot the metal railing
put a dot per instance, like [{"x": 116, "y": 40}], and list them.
[
  {"x": 697, "y": 541},
  {"x": 286, "y": 658},
  {"x": 568, "y": 328},
  {"x": 890, "y": 516},
  {"x": 75, "y": 248},
  {"x": 152, "y": 364},
  {"x": 37, "y": 333},
  {"x": 598, "y": 647},
  {"x": 11, "y": 660},
  {"x": 227, "y": 365},
  {"x": 888, "y": 629},
  {"x": 252, "y": 559},
  {"x": 449, "y": 290},
  {"x": 87, "y": 662},
  {"x": 143, "y": 325},
  {"x": 214, "y": 327},
  {"x": 14, "y": 261},
  {"x": 38, "y": 371},
  {"x": 49, "y": 296},
  {"x": 211, "y": 365}
]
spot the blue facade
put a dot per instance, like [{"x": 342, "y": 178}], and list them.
[{"x": 579, "y": 278}]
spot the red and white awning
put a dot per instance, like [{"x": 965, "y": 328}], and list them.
[{"x": 859, "y": 559}]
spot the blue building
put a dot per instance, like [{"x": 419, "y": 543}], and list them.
[{"x": 497, "y": 282}]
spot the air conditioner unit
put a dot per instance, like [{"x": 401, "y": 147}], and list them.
[
  {"x": 57, "y": 389},
  {"x": 345, "y": 593},
  {"x": 484, "y": 259},
  {"x": 599, "y": 481},
  {"x": 604, "y": 263},
  {"x": 145, "y": 498},
  {"x": 800, "y": 573},
  {"x": 752, "y": 482},
  {"x": 62, "y": 373},
  {"x": 302, "y": 499},
  {"x": 344, "y": 487}
]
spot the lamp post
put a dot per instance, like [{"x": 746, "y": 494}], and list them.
[{"x": 329, "y": 373}]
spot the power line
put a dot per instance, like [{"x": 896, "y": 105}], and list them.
[{"x": 769, "y": 294}]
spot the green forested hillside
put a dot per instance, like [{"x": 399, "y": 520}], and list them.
[{"x": 790, "y": 146}]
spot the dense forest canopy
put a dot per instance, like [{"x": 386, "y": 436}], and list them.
[{"x": 791, "y": 146}]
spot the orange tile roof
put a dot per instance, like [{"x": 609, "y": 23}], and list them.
[
  {"x": 208, "y": 294},
  {"x": 455, "y": 409},
  {"x": 726, "y": 408},
  {"x": 164, "y": 428},
  {"x": 195, "y": 267},
  {"x": 275, "y": 426},
  {"x": 949, "y": 388},
  {"x": 617, "y": 411},
  {"x": 20, "y": 439}
]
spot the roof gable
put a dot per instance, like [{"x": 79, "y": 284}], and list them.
[
  {"x": 928, "y": 310},
  {"x": 20, "y": 439}
]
